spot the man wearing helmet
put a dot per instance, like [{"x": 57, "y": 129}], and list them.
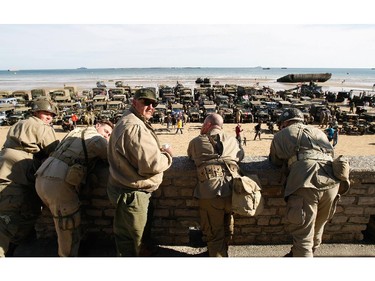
[
  {"x": 311, "y": 189},
  {"x": 27, "y": 144}
]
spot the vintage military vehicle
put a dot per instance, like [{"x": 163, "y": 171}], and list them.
[
  {"x": 19, "y": 113},
  {"x": 194, "y": 115},
  {"x": 73, "y": 91},
  {"x": 246, "y": 114},
  {"x": 39, "y": 93},
  {"x": 60, "y": 95},
  {"x": 116, "y": 92},
  {"x": 23, "y": 97},
  {"x": 159, "y": 114}
]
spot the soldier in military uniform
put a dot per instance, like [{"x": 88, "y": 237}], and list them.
[
  {"x": 60, "y": 177},
  {"x": 137, "y": 162},
  {"x": 209, "y": 150},
  {"x": 311, "y": 189},
  {"x": 28, "y": 143}
]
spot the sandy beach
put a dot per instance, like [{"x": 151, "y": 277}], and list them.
[{"x": 349, "y": 145}]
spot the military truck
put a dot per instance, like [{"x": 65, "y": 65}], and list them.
[
  {"x": 99, "y": 105},
  {"x": 166, "y": 94},
  {"x": 230, "y": 90},
  {"x": 260, "y": 111},
  {"x": 115, "y": 105},
  {"x": 73, "y": 91},
  {"x": 159, "y": 114},
  {"x": 115, "y": 91},
  {"x": 100, "y": 98},
  {"x": 4, "y": 94},
  {"x": 5, "y": 111},
  {"x": 100, "y": 92},
  {"x": 19, "y": 113},
  {"x": 208, "y": 109},
  {"x": 226, "y": 112},
  {"x": 60, "y": 95},
  {"x": 23, "y": 97},
  {"x": 246, "y": 114},
  {"x": 195, "y": 115},
  {"x": 218, "y": 89},
  {"x": 185, "y": 95},
  {"x": 40, "y": 93}
]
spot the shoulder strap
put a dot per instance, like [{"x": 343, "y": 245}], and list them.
[
  {"x": 218, "y": 145},
  {"x": 84, "y": 147},
  {"x": 299, "y": 137},
  {"x": 312, "y": 139}
]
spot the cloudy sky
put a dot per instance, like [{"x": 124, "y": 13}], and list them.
[{"x": 200, "y": 36}]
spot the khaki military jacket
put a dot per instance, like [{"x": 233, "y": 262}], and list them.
[
  {"x": 134, "y": 155},
  {"x": 28, "y": 143},
  {"x": 70, "y": 151},
  {"x": 202, "y": 152},
  {"x": 312, "y": 167}
]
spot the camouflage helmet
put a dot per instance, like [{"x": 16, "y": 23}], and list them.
[
  {"x": 44, "y": 105},
  {"x": 291, "y": 114}
]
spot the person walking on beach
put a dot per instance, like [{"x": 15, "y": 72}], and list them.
[
  {"x": 330, "y": 132},
  {"x": 214, "y": 192},
  {"x": 27, "y": 144},
  {"x": 136, "y": 166},
  {"x": 179, "y": 125},
  {"x": 60, "y": 177},
  {"x": 74, "y": 119},
  {"x": 238, "y": 133},
  {"x": 169, "y": 122},
  {"x": 258, "y": 130},
  {"x": 311, "y": 189}
]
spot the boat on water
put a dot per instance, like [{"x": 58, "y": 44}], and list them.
[{"x": 297, "y": 78}]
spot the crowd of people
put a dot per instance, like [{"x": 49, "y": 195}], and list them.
[{"x": 37, "y": 171}]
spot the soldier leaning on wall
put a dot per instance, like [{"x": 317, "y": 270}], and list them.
[
  {"x": 28, "y": 143},
  {"x": 211, "y": 152},
  {"x": 60, "y": 179},
  {"x": 311, "y": 189}
]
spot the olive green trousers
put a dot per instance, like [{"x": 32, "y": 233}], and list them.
[{"x": 130, "y": 221}]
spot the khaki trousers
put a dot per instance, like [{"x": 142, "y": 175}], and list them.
[
  {"x": 308, "y": 210},
  {"x": 62, "y": 200},
  {"x": 217, "y": 224}
]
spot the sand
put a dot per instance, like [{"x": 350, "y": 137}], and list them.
[{"x": 347, "y": 145}]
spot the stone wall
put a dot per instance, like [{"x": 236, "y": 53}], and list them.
[{"x": 176, "y": 216}]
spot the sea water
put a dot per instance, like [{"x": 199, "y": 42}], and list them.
[{"x": 11, "y": 80}]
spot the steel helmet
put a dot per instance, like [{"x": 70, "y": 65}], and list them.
[
  {"x": 44, "y": 105},
  {"x": 291, "y": 114}
]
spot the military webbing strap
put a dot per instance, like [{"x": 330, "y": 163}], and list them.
[
  {"x": 65, "y": 144},
  {"x": 84, "y": 147},
  {"x": 316, "y": 154}
]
